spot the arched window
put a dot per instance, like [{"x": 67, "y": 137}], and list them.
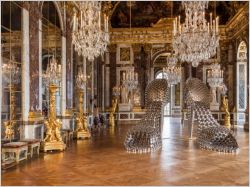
[
  {"x": 160, "y": 75},
  {"x": 241, "y": 78}
]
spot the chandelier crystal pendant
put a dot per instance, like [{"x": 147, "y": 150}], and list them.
[
  {"x": 89, "y": 36},
  {"x": 196, "y": 39}
]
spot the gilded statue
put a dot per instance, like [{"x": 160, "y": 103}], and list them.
[
  {"x": 112, "y": 111},
  {"x": 53, "y": 139},
  {"x": 81, "y": 119},
  {"x": 226, "y": 110},
  {"x": 9, "y": 131},
  {"x": 9, "y": 125},
  {"x": 124, "y": 94}
]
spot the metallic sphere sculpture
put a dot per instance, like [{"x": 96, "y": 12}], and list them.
[
  {"x": 146, "y": 136},
  {"x": 210, "y": 134}
]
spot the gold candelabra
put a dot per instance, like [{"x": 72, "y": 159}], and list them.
[
  {"x": 112, "y": 111},
  {"x": 227, "y": 113},
  {"x": 53, "y": 139},
  {"x": 81, "y": 119},
  {"x": 9, "y": 125}
]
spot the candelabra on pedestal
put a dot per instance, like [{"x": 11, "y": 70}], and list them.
[
  {"x": 11, "y": 74},
  {"x": 129, "y": 82},
  {"x": 224, "y": 105},
  {"x": 215, "y": 79},
  {"x": 81, "y": 118},
  {"x": 53, "y": 139},
  {"x": 116, "y": 94}
]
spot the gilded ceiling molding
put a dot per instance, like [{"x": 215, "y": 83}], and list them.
[{"x": 140, "y": 35}]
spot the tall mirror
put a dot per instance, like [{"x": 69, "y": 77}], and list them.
[
  {"x": 51, "y": 47},
  {"x": 11, "y": 42}
]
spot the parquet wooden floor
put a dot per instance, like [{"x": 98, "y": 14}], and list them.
[{"x": 102, "y": 160}]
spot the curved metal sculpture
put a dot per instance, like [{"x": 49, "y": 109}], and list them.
[
  {"x": 146, "y": 136},
  {"x": 210, "y": 134}
]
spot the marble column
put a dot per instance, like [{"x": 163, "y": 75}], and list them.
[
  {"x": 85, "y": 90},
  {"x": 103, "y": 87},
  {"x": 31, "y": 73},
  {"x": 34, "y": 15},
  {"x": 63, "y": 83},
  {"x": 1, "y": 81},
  {"x": 92, "y": 84},
  {"x": 107, "y": 80},
  {"x": 230, "y": 77},
  {"x": 25, "y": 65},
  {"x": 40, "y": 66},
  {"x": 69, "y": 68},
  {"x": 182, "y": 84}
]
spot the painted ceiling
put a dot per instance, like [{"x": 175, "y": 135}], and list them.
[{"x": 146, "y": 13}]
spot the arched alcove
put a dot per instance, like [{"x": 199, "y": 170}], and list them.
[{"x": 241, "y": 85}]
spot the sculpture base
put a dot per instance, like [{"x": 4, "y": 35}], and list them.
[
  {"x": 125, "y": 107},
  {"x": 83, "y": 135},
  {"x": 214, "y": 106},
  {"x": 35, "y": 116},
  {"x": 111, "y": 120},
  {"x": 49, "y": 146},
  {"x": 227, "y": 122}
]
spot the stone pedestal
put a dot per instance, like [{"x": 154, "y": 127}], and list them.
[
  {"x": 214, "y": 106},
  {"x": 57, "y": 145},
  {"x": 32, "y": 131},
  {"x": 125, "y": 107},
  {"x": 83, "y": 134}
]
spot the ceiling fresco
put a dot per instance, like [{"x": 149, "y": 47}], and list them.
[{"x": 147, "y": 13}]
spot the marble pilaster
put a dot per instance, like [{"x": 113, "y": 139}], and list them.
[
  {"x": 69, "y": 66},
  {"x": 107, "y": 80},
  {"x": 1, "y": 86},
  {"x": 25, "y": 65},
  {"x": 63, "y": 83},
  {"x": 34, "y": 14},
  {"x": 40, "y": 65},
  {"x": 85, "y": 90},
  {"x": 103, "y": 87}
]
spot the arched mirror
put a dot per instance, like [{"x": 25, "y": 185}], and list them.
[
  {"x": 51, "y": 47},
  {"x": 241, "y": 79}
]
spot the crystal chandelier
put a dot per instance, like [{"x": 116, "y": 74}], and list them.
[
  {"x": 11, "y": 72},
  {"x": 53, "y": 72},
  {"x": 130, "y": 80},
  {"x": 215, "y": 76},
  {"x": 81, "y": 79},
  {"x": 89, "y": 38},
  {"x": 196, "y": 39},
  {"x": 173, "y": 74}
]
